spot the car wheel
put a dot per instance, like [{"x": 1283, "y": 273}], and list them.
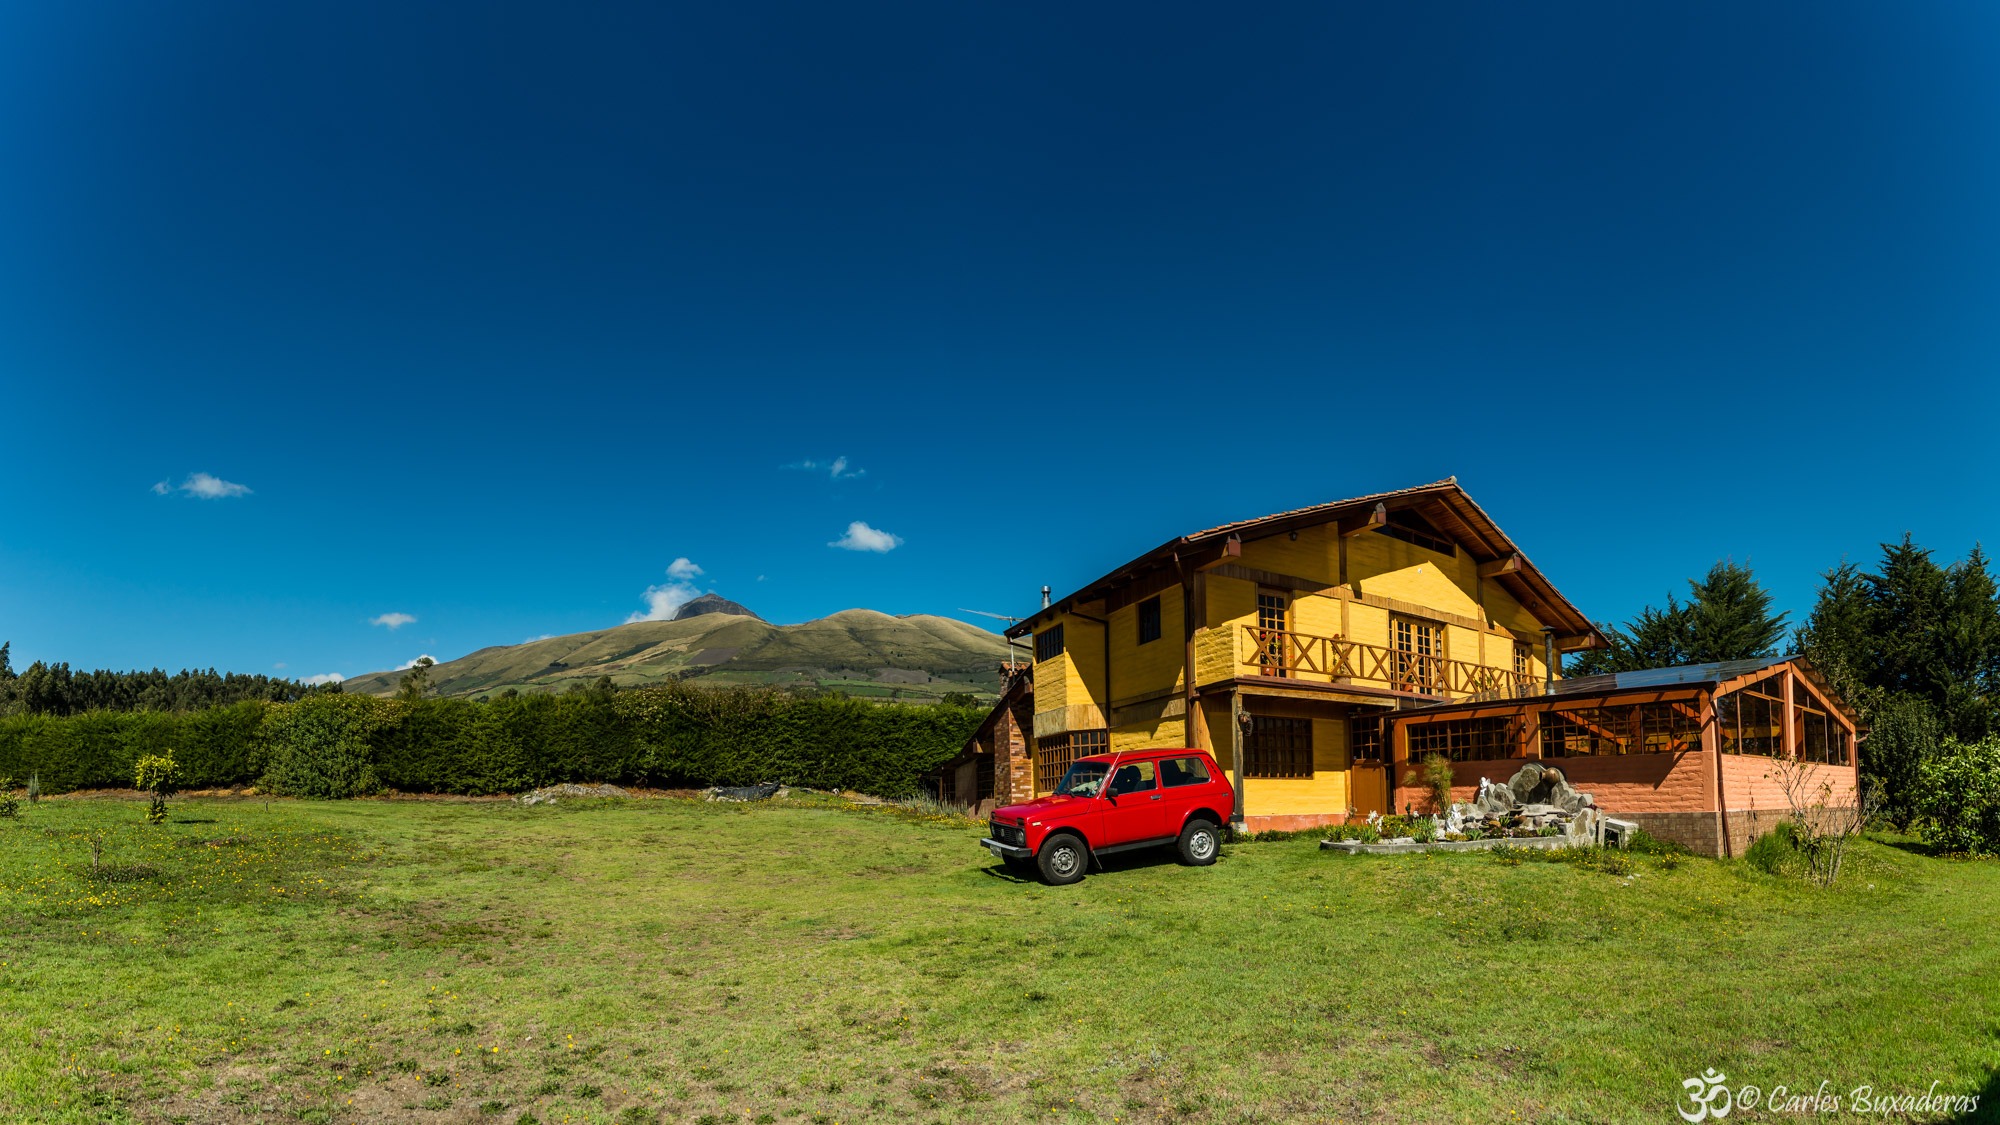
[
  {"x": 1200, "y": 843},
  {"x": 1062, "y": 860}
]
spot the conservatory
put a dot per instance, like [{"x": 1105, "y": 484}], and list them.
[{"x": 1688, "y": 753}]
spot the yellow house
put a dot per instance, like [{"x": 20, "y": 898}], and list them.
[{"x": 1277, "y": 644}]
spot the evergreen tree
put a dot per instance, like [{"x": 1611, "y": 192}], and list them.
[
  {"x": 416, "y": 683},
  {"x": 1730, "y": 618},
  {"x": 1727, "y": 617}
]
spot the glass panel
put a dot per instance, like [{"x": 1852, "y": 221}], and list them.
[
  {"x": 1175, "y": 772},
  {"x": 1134, "y": 777}
]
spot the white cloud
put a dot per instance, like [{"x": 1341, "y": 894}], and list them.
[
  {"x": 663, "y": 601},
  {"x": 861, "y": 537},
  {"x": 838, "y": 469},
  {"x": 203, "y": 486},
  {"x": 412, "y": 661},
  {"x": 393, "y": 621},
  {"x": 322, "y": 678},
  {"x": 280, "y": 665},
  {"x": 666, "y": 599},
  {"x": 532, "y": 640}
]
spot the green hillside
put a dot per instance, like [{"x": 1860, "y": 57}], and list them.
[{"x": 858, "y": 651}]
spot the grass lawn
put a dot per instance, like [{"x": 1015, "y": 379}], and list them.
[{"x": 673, "y": 960}]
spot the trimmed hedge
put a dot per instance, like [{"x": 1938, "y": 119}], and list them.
[{"x": 337, "y": 746}]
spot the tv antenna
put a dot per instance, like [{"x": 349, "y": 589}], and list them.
[{"x": 1010, "y": 619}]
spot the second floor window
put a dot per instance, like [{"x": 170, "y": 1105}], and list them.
[
  {"x": 1419, "y": 656},
  {"x": 1149, "y": 620},
  {"x": 1270, "y": 633},
  {"x": 1524, "y": 663},
  {"x": 1049, "y": 643}
]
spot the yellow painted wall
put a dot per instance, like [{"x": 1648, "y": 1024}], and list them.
[
  {"x": 1232, "y": 604},
  {"x": 1139, "y": 670},
  {"x": 1315, "y": 555},
  {"x": 1148, "y": 736},
  {"x": 1407, "y": 572},
  {"x": 1325, "y": 792}
]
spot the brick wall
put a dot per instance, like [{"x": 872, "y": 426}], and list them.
[
  {"x": 1621, "y": 784},
  {"x": 1013, "y": 766}
]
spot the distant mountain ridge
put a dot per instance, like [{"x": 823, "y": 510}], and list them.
[{"x": 859, "y": 651}]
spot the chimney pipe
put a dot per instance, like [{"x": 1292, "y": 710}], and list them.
[
  {"x": 1045, "y": 597},
  {"x": 1549, "y": 659}
]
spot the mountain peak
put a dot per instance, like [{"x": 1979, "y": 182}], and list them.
[{"x": 712, "y": 603}]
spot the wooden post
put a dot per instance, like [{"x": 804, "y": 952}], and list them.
[
  {"x": 1237, "y": 721},
  {"x": 1711, "y": 741},
  {"x": 1790, "y": 725},
  {"x": 1190, "y": 713}
]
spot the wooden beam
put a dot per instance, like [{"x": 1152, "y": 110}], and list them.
[
  {"x": 1509, "y": 565},
  {"x": 1375, "y": 517}
]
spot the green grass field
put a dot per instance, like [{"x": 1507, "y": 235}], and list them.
[{"x": 672, "y": 960}]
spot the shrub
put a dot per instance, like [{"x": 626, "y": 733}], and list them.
[
  {"x": 10, "y": 806},
  {"x": 319, "y": 746},
  {"x": 156, "y": 774},
  {"x": 331, "y": 746},
  {"x": 1775, "y": 852},
  {"x": 1435, "y": 778},
  {"x": 1957, "y": 795}
]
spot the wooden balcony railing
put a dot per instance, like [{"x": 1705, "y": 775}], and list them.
[{"x": 1301, "y": 656}]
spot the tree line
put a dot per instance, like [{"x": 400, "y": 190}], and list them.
[
  {"x": 43, "y": 688},
  {"x": 1911, "y": 643}
]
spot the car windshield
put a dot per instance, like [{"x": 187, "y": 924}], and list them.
[{"x": 1084, "y": 779}]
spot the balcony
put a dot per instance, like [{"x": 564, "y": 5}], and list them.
[{"x": 1335, "y": 660}]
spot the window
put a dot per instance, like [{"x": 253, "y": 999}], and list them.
[
  {"x": 1149, "y": 620},
  {"x": 1134, "y": 777},
  {"x": 1668, "y": 728},
  {"x": 1418, "y": 662},
  {"x": 986, "y": 769},
  {"x": 1582, "y": 732},
  {"x": 1270, "y": 655},
  {"x": 1751, "y": 719},
  {"x": 1364, "y": 738},
  {"x": 1821, "y": 737},
  {"x": 1636, "y": 728},
  {"x": 1083, "y": 779},
  {"x": 1524, "y": 663},
  {"x": 1176, "y": 772},
  {"x": 1054, "y": 754},
  {"x": 1279, "y": 748},
  {"x": 1413, "y": 528},
  {"x": 1049, "y": 643},
  {"x": 1465, "y": 740}
]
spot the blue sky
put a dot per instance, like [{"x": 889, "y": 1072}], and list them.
[{"x": 495, "y": 312}]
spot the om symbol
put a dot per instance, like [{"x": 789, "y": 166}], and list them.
[{"x": 1702, "y": 1095}]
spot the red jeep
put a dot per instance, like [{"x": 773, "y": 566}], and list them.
[{"x": 1155, "y": 797}]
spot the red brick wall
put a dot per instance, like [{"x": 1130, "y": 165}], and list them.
[
  {"x": 1013, "y": 768},
  {"x": 1622, "y": 784},
  {"x": 1749, "y": 782}
]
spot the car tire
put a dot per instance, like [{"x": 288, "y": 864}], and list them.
[
  {"x": 1062, "y": 860},
  {"x": 1200, "y": 843}
]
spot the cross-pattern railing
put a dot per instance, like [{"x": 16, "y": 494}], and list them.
[{"x": 1302, "y": 656}]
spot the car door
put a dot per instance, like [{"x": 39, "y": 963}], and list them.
[
  {"x": 1186, "y": 783},
  {"x": 1134, "y": 806}
]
